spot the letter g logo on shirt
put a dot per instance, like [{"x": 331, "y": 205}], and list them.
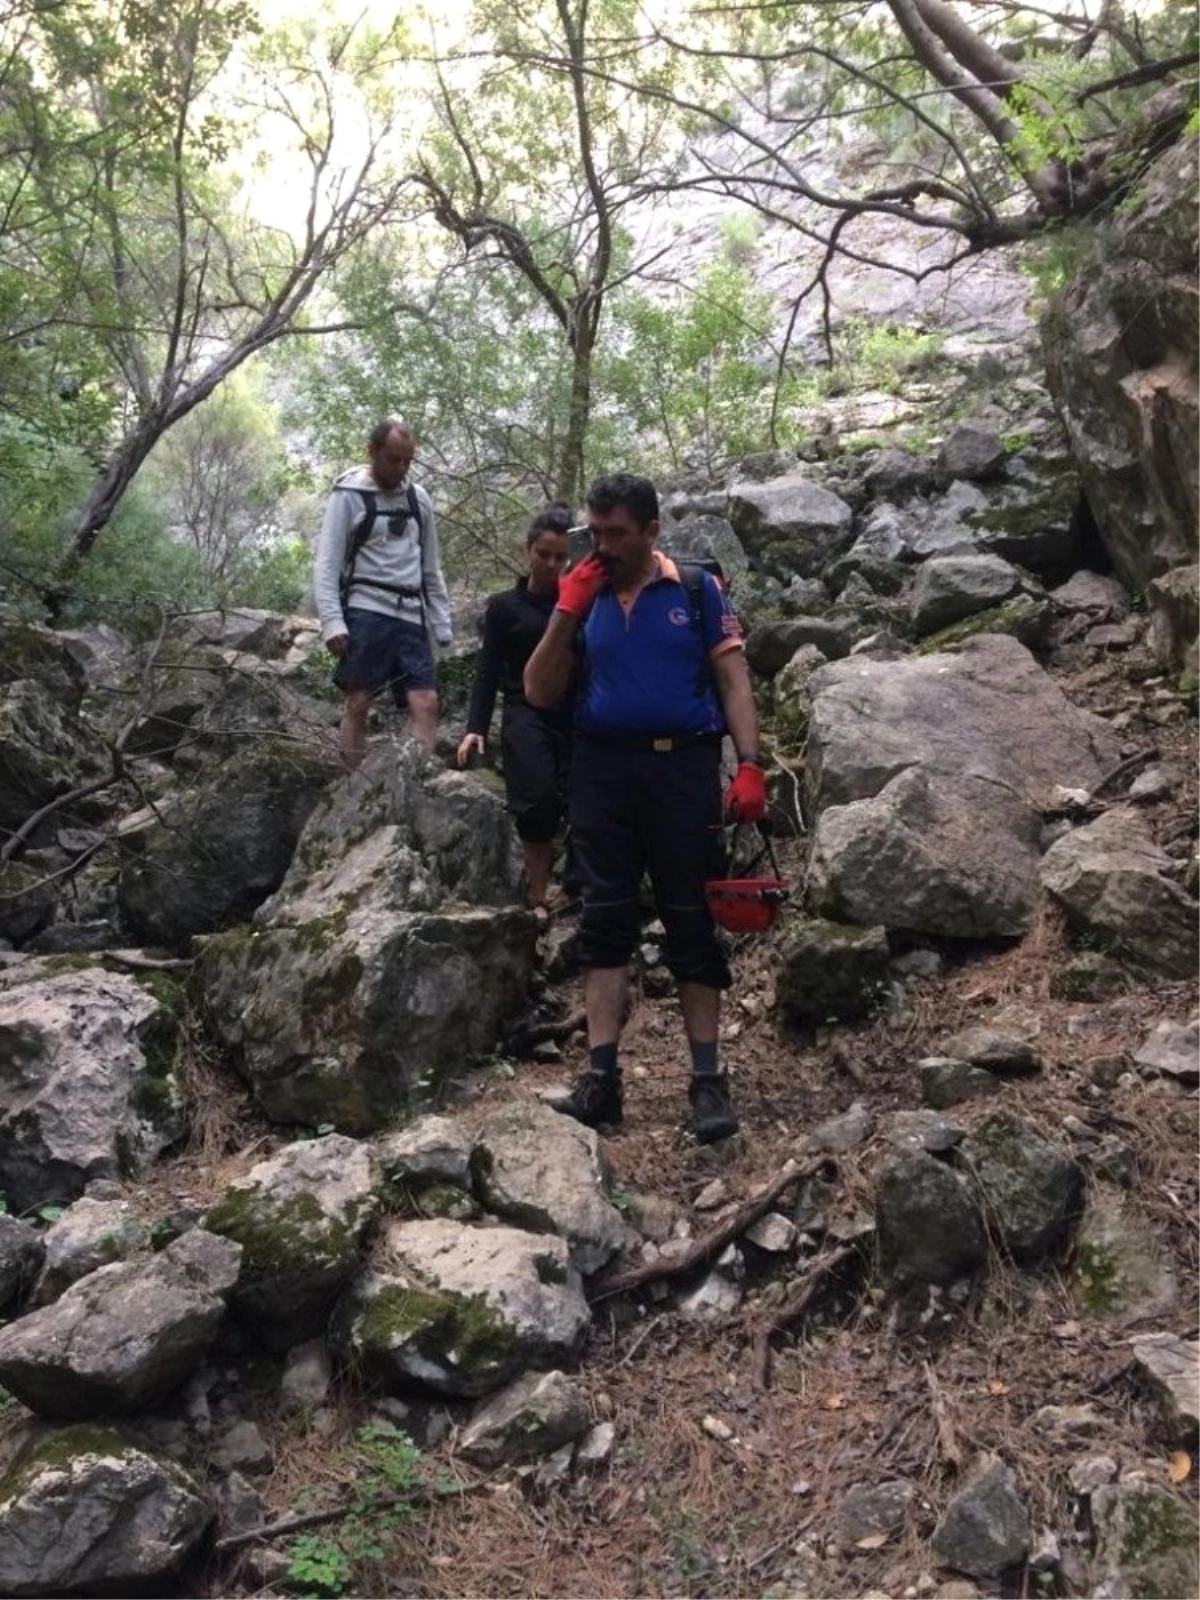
[{"x": 678, "y": 616}]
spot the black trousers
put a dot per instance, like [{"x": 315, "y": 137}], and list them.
[
  {"x": 635, "y": 810},
  {"x": 536, "y": 748}
]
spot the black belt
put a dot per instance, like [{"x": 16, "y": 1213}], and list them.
[{"x": 661, "y": 743}]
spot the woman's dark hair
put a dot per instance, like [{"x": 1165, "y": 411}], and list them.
[{"x": 555, "y": 518}]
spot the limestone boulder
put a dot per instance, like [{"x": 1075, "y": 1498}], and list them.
[
  {"x": 83, "y": 1510},
  {"x": 458, "y": 1310},
  {"x": 792, "y": 700},
  {"x": 89, "y": 1234},
  {"x": 1031, "y": 1191},
  {"x": 1145, "y": 1542},
  {"x": 1121, "y": 348},
  {"x": 970, "y": 450},
  {"x": 21, "y": 1256},
  {"x": 931, "y": 853},
  {"x": 1175, "y": 618},
  {"x": 225, "y": 847},
  {"x": 928, "y": 775},
  {"x": 392, "y": 952},
  {"x": 1111, "y": 880},
  {"x": 124, "y": 1337},
  {"x": 86, "y": 1089},
  {"x": 772, "y": 645},
  {"x": 299, "y": 1220},
  {"x": 535, "y": 1415},
  {"x": 927, "y": 1223},
  {"x": 103, "y": 655},
  {"x": 949, "y": 588},
  {"x": 27, "y": 901},
  {"x": 706, "y": 538},
  {"x": 43, "y": 750},
  {"x": 984, "y": 1529},
  {"x": 828, "y": 972},
  {"x": 549, "y": 1174},
  {"x": 1171, "y": 1368},
  {"x": 790, "y": 524}
]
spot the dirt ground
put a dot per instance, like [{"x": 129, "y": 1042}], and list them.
[{"x": 728, "y": 1469}]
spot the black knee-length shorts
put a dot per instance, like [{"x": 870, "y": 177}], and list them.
[
  {"x": 536, "y": 749},
  {"x": 636, "y": 810}
]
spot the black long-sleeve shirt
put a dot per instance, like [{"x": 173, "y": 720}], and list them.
[{"x": 513, "y": 625}]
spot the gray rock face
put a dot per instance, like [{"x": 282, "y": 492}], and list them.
[
  {"x": 1121, "y": 362},
  {"x": 27, "y": 901},
  {"x": 947, "y": 1082},
  {"x": 102, "y": 654},
  {"x": 21, "y": 1253},
  {"x": 460, "y": 1310},
  {"x": 1172, "y": 1367},
  {"x": 771, "y": 646},
  {"x": 539, "y": 1413},
  {"x": 932, "y": 853},
  {"x": 366, "y": 973},
  {"x": 548, "y": 1173},
  {"x": 1175, "y": 618},
  {"x": 299, "y": 1219},
  {"x": 85, "y": 1511},
  {"x": 89, "y": 1234},
  {"x": 829, "y": 972},
  {"x": 1172, "y": 1050},
  {"x": 122, "y": 1338},
  {"x": 1110, "y": 879},
  {"x": 874, "y": 1512},
  {"x": 1145, "y": 1542},
  {"x": 984, "y": 1528},
  {"x": 950, "y": 588},
  {"x": 83, "y": 1089},
  {"x": 989, "y": 1047},
  {"x": 926, "y": 1222},
  {"x": 928, "y": 773},
  {"x": 1031, "y": 1191},
  {"x": 790, "y": 525},
  {"x": 1099, "y": 596},
  {"x": 895, "y": 473},
  {"x": 216, "y": 856},
  {"x": 430, "y": 1150},
  {"x": 41, "y": 750},
  {"x": 706, "y": 538},
  {"x": 792, "y": 703},
  {"x": 1120, "y": 1267},
  {"x": 971, "y": 450}
]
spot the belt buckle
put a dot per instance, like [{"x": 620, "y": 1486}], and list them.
[{"x": 662, "y": 744}]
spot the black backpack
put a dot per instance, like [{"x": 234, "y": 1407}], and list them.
[{"x": 361, "y": 532}]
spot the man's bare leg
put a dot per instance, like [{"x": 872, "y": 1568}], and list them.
[
  {"x": 423, "y": 709},
  {"x": 605, "y": 997},
  {"x": 539, "y": 858},
  {"x": 352, "y": 731},
  {"x": 701, "y": 1007}
]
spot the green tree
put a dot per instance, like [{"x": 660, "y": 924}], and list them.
[
  {"x": 133, "y": 207},
  {"x": 538, "y": 157}
]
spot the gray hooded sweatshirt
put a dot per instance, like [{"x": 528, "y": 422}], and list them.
[{"x": 405, "y": 558}]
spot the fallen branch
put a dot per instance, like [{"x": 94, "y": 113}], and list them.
[
  {"x": 318, "y": 1519},
  {"x": 1124, "y": 767},
  {"x": 818, "y": 1274},
  {"x": 141, "y": 963},
  {"x": 712, "y": 1243},
  {"x": 947, "y": 1438}
]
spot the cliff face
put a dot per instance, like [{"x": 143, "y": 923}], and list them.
[{"x": 1121, "y": 347}]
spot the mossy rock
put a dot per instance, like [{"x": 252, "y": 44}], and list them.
[
  {"x": 1023, "y": 618},
  {"x": 1146, "y": 1542},
  {"x": 419, "y": 1341}
]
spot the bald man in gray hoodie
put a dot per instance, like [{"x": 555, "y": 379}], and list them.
[{"x": 380, "y": 590}]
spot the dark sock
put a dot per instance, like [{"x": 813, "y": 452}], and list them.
[
  {"x": 604, "y": 1059},
  {"x": 704, "y": 1057}
]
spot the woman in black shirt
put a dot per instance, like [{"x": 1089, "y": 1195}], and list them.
[{"x": 535, "y": 744}]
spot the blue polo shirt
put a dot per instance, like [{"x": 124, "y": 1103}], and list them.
[{"x": 645, "y": 662}]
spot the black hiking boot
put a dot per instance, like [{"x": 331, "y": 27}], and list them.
[
  {"x": 713, "y": 1116},
  {"x": 595, "y": 1099}
]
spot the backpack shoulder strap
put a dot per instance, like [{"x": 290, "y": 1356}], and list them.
[{"x": 691, "y": 576}]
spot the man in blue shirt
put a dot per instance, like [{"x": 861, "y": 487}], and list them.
[{"x": 657, "y": 691}]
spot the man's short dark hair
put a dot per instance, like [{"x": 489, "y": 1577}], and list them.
[
  {"x": 637, "y": 495},
  {"x": 382, "y": 432}
]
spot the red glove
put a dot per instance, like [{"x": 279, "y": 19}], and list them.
[
  {"x": 746, "y": 796},
  {"x": 579, "y": 587}
]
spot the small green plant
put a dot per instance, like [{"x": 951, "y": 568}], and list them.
[
  {"x": 318, "y": 1566},
  {"x": 385, "y": 1464}
]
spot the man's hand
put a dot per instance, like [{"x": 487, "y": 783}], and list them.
[
  {"x": 579, "y": 587},
  {"x": 471, "y": 745},
  {"x": 338, "y": 645},
  {"x": 746, "y": 796}
]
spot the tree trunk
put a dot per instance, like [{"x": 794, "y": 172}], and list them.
[{"x": 568, "y": 484}]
